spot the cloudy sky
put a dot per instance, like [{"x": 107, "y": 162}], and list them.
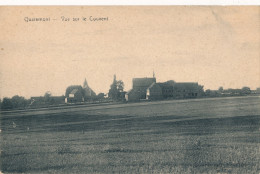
[{"x": 212, "y": 45}]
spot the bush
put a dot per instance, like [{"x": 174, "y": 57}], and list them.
[
  {"x": 7, "y": 103},
  {"x": 14, "y": 102}
]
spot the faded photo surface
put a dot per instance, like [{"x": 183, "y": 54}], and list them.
[
  {"x": 130, "y": 89},
  {"x": 215, "y": 46}
]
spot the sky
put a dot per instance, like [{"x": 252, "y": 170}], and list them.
[{"x": 212, "y": 45}]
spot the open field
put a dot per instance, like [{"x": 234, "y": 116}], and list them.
[{"x": 219, "y": 135}]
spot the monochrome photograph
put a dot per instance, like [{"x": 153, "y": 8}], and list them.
[{"x": 130, "y": 89}]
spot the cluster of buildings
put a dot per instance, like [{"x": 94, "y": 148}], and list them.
[
  {"x": 149, "y": 89},
  {"x": 79, "y": 93},
  {"x": 142, "y": 89},
  {"x": 73, "y": 94}
]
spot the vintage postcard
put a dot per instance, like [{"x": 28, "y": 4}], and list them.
[{"x": 130, "y": 89}]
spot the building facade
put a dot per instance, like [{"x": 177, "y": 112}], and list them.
[
  {"x": 139, "y": 90},
  {"x": 154, "y": 92},
  {"x": 75, "y": 96},
  {"x": 147, "y": 88}
]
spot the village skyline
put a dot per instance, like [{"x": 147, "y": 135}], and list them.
[
  {"x": 124, "y": 87},
  {"x": 214, "y": 46}
]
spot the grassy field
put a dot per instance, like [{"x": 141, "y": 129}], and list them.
[{"x": 219, "y": 135}]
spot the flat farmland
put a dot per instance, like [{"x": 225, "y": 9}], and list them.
[{"x": 220, "y": 135}]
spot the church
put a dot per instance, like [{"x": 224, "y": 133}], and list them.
[{"x": 78, "y": 93}]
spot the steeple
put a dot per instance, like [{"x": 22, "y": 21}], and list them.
[
  {"x": 87, "y": 89},
  {"x": 85, "y": 84},
  {"x": 153, "y": 74},
  {"x": 114, "y": 78}
]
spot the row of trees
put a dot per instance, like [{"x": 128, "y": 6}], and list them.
[
  {"x": 14, "y": 102},
  {"x": 228, "y": 92},
  {"x": 19, "y": 102}
]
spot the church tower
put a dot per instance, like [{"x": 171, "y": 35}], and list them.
[
  {"x": 86, "y": 88},
  {"x": 114, "y": 79},
  {"x": 85, "y": 84}
]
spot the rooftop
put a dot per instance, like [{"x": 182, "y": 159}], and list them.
[{"x": 74, "y": 91}]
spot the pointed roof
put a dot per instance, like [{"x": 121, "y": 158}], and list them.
[
  {"x": 128, "y": 92},
  {"x": 74, "y": 91},
  {"x": 152, "y": 85},
  {"x": 85, "y": 84},
  {"x": 114, "y": 81},
  {"x": 143, "y": 82},
  {"x": 155, "y": 86}
]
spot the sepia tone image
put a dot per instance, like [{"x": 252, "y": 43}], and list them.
[{"x": 130, "y": 89}]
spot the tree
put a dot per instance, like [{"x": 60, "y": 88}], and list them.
[
  {"x": 211, "y": 93},
  {"x": 120, "y": 85},
  {"x": 18, "y": 101},
  {"x": 7, "y": 103},
  {"x": 113, "y": 93},
  {"x": 208, "y": 92},
  {"x": 100, "y": 96},
  {"x": 14, "y": 102},
  {"x": 220, "y": 89},
  {"x": 246, "y": 90},
  {"x": 47, "y": 96},
  {"x": 115, "y": 89}
]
